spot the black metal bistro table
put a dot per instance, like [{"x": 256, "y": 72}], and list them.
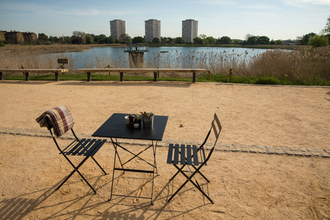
[{"x": 115, "y": 127}]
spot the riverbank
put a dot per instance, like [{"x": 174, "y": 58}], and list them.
[
  {"x": 42, "y": 49},
  {"x": 66, "y": 48}
]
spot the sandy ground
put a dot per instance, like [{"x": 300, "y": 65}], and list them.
[{"x": 243, "y": 185}]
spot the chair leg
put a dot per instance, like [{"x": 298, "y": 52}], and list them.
[
  {"x": 76, "y": 170},
  {"x": 189, "y": 179},
  {"x": 105, "y": 173},
  {"x": 65, "y": 179}
]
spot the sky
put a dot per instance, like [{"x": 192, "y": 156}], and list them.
[{"x": 276, "y": 19}]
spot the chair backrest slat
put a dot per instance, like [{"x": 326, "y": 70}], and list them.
[
  {"x": 196, "y": 163},
  {"x": 170, "y": 154},
  {"x": 182, "y": 152},
  {"x": 176, "y": 154},
  {"x": 189, "y": 162}
]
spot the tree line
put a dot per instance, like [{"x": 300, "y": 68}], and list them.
[{"x": 79, "y": 37}]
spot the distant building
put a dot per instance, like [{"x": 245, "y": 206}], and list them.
[
  {"x": 30, "y": 37},
  {"x": 117, "y": 27},
  {"x": 2, "y": 36},
  {"x": 152, "y": 30},
  {"x": 189, "y": 30},
  {"x": 14, "y": 37}
]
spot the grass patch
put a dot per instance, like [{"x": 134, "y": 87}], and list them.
[{"x": 205, "y": 78}]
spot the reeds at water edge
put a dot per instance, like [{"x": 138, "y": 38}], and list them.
[{"x": 305, "y": 65}]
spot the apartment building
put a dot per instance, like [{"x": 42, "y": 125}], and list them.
[
  {"x": 14, "y": 37},
  {"x": 2, "y": 36},
  {"x": 117, "y": 27},
  {"x": 189, "y": 30},
  {"x": 30, "y": 37},
  {"x": 152, "y": 30}
]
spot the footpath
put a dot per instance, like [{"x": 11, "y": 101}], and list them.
[{"x": 254, "y": 149}]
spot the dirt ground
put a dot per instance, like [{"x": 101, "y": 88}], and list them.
[{"x": 243, "y": 185}]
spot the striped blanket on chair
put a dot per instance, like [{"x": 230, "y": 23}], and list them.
[{"x": 60, "y": 120}]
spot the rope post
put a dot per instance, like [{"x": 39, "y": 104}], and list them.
[{"x": 230, "y": 74}]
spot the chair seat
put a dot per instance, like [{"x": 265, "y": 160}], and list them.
[
  {"x": 84, "y": 147},
  {"x": 185, "y": 154}
]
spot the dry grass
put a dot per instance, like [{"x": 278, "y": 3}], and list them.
[{"x": 304, "y": 65}]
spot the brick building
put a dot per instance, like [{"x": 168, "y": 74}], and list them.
[
  {"x": 14, "y": 37},
  {"x": 30, "y": 37},
  {"x": 2, "y": 36}
]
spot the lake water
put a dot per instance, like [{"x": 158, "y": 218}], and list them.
[{"x": 163, "y": 57}]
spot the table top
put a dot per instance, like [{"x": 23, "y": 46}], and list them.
[{"x": 116, "y": 127}]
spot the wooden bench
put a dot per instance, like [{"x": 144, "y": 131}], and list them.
[
  {"x": 27, "y": 71},
  {"x": 140, "y": 70}
]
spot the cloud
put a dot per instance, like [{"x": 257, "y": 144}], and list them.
[
  {"x": 303, "y": 3},
  {"x": 216, "y": 2},
  {"x": 42, "y": 10},
  {"x": 263, "y": 14}
]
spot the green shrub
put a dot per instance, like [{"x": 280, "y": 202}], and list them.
[
  {"x": 318, "y": 41},
  {"x": 267, "y": 80},
  {"x": 2, "y": 44}
]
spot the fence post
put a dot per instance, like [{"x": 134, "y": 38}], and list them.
[
  {"x": 230, "y": 74},
  {"x": 209, "y": 73}
]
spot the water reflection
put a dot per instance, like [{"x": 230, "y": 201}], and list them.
[{"x": 164, "y": 57}]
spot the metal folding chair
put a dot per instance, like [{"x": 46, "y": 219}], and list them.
[
  {"x": 193, "y": 156},
  {"x": 59, "y": 120}
]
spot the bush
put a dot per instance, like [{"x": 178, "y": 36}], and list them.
[
  {"x": 2, "y": 44},
  {"x": 318, "y": 41},
  {"x": 268, "y": 80}
]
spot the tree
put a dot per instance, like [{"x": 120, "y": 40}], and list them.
[
  {"x": 101, "y": 39},
  {"x": 155, "y": 40},
  {"x": 326, "y": 29},
  {"x": 138, "y": 39},
  {"x": 305, "y": 38},
  {"x": 318, "y": 41},
  {"x": 42, "y": 37},
  {"x": 78, "y": 37},
  {"x": 224, "y": 40},
  {"x": 79, "y": 34},
  {"x": 247, "y": 36},
  {"x": 210, "y": 40},
  {"x": 235, "y": 41},
  {"x": 111, "y": 40},
  {"x": 89, "y": 39},
  {"x": 279, "y": 42},
  {"x": 123, "y": 38},
  {"x": 263, "y": 40},
  {"x": 198, "y": 40},
  {"x": 53, "y": 39},
  {"x": 252, "y": 40},
  {"x": 179, "y": 40}
]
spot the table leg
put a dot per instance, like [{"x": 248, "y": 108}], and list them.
[{"x": 154, "y": 165}]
